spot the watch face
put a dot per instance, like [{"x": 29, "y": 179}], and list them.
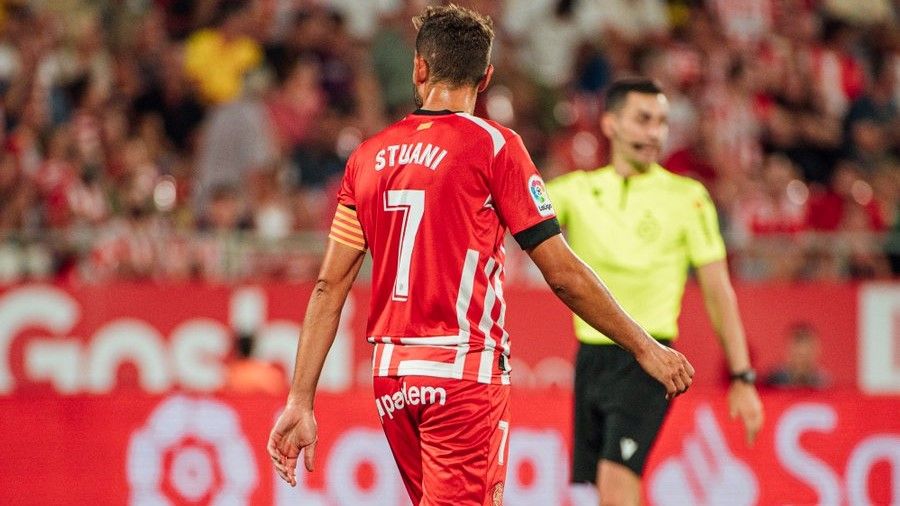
[{"x": 748, "y": 376}]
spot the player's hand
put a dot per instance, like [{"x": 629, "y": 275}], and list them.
[
  {"x": 295, "y": 431},
  {"x": 667, "y": 366},
  {"x": 743, "y": 402}
]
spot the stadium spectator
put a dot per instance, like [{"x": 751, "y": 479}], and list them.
[
  {"x": 730, "y": 105},
  {"x": 779, "y": 207},
  {"x": 849, "y": 210},
  {"x": 391, "y": 44},
  {"x": 218, "y": 59},
  {"x": 634, "y": 21},
  {"x": 886, "y": 185},
  {"x": 272, "y": 216},
  {"x": 863, "y": 257},
  {"x": 167, "y": 95},
  {"x": 801, "y": 367},
  {"x": 297, "y": 105},
  {"x": 848, "y": 197},
  {"x": 237, "y": 141},
  {"x": 546, "y": 35},
  {"x": 694, "y": 159},
  {"x": 795, "y": 123},
  {"x": 131, "y": 247},
  {"x": 222, "y": 220},
  {"x": 839, "y": 78},
  {"x": 18, "y": 197},
  {"x": 745, "y": 22},
  {"x": 319, "y": 34},
  {"x": 224, "y": 213},
  {"x": 247, "y": 375},
  {"x": 872, "y": 123},
  {"x": 770, "y": 215}
]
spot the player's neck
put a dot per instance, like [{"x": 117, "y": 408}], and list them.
[
  {"x": 441, "y": 97},
  {"x": 627, "y": 168}
]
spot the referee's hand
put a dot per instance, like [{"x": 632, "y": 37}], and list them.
[{"x": 667, "y": 366}]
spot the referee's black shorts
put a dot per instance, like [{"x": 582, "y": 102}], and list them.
[{"x": 619, "y": 410}]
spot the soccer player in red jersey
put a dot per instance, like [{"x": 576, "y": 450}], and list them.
[{"x": 431, "y": 198}]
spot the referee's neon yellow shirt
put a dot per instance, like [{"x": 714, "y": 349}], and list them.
[{"x": 640, "y": 234}]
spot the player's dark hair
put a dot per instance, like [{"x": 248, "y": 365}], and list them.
[
  {"x": 565, "y": 8},
  {"x": 227, "y": 9},
  {"x": 618, "y": 91},
  {"x": 455, "y": 42},
  {"x": 244, "y": 345},
  {"x": 803, "y": 331}
]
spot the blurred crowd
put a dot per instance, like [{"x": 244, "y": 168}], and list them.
[{"x": 176, "y": 139}]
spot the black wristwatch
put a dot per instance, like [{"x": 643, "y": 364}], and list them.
[{"x": 747, "y": 376}]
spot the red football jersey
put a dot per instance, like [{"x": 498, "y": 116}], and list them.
[{"x": 434, "y": 194}]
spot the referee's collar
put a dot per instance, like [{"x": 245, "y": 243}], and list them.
[{"x": 654, "y": 170}]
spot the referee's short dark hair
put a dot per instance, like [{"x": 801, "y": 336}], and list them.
[{"x": 618, "y": 91}]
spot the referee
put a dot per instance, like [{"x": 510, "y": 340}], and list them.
[{"x": 640, "y": 227}]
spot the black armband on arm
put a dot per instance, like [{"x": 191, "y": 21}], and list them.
[{"x": 536, "y": 234}]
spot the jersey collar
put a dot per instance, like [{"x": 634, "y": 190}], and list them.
[{"x": 426, "y": 112}]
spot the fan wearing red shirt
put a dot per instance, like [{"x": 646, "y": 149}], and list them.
[{"x": 431, "y": 198}]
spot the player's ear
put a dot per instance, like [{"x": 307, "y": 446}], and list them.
[
  {"x": 421, "y": 71},
  {"x": 486, "y": 80}
]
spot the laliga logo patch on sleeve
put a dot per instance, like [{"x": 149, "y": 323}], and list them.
[{"x": 539, "y": 195}]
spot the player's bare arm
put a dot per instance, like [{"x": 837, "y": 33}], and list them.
[
  {"x": 295, "y": 430},
  {"x": 583, "y": 292},
  {"x": 721, "y": 305}
]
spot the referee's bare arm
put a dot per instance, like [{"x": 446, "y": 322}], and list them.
[
  {"x": 722, "y": 308},
  {"x": 583, "y": 292}
]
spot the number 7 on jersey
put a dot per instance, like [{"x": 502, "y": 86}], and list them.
[{"x": 412, "y": 204}]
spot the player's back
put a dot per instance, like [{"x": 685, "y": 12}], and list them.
[{"x": 431, "y": 196}]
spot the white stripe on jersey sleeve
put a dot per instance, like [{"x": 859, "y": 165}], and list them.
[{"x": 496, "y": 136}]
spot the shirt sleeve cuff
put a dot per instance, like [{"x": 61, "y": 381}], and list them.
[{"x": 536, "y": 234}]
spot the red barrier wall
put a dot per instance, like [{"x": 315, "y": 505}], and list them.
[
  {"x": 113, "y": 394},
  {"x": 188, "y": 329},
  {"x": 834, "y": 448}
]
